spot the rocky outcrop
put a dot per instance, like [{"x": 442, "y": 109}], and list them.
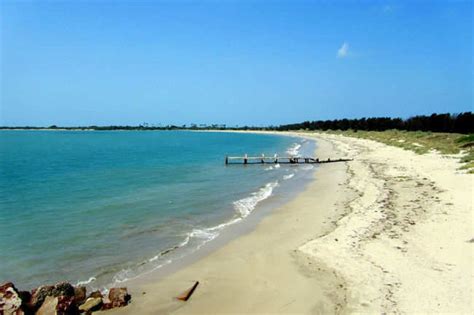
[
  {"x": 91, "y": 304},
  {"x": 59, "y": 299},
  {"x": 119, "y": 297},
  {"x": 66, "y": 305},
  {"x": 10, "y": 301},
  {"x": 49, "y": 306},
  {"x": 96, "y": 294},
  {"x": 80, "y": 295},
  {"x": 39, "y": 294},
  {"x": 63, "y": 289}
]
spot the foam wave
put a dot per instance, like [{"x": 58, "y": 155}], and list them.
[
  {"x": 169, "y": 250},
  {"x": 289, "y": 176},
  {"x": 269, "y": 168},
  {"x": 294, "y": 149},
  {"x": 246, "y": 205},
  {"x": 197, "y": 237},
  {"x": 82, "y": 283}
]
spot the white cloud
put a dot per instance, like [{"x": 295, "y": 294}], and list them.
[{"x": 343, "y": 51}]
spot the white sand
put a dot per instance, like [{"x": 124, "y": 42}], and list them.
[{"x": 404, "y": 244}]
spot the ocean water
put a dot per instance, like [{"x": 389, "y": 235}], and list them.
[{"x": 98, "y": 208}]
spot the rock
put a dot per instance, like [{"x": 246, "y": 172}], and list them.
[
  {"x": 49, "y": 306},
  {"x": 91, "y": 304},
  {"x": 96, "y": 294},
  {"x": 5, "y": 286},
  {"x": 66, "y": 305},
  {"x": 25, "y": 297},
  {"x": 80, "y": 295},
  {"x": 58, "y": 305},
  {"x": 107, "y": 306},
  {"x": 63, "y": 289},
  {"x": 10, "y": 301},
  {"x": 119, "y": 297},
  {"x": 39, "y": 294}
]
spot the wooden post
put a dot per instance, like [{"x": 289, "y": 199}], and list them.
[
  {"x": 226, "y": 160},
  {"x": 263, "y": 157},
  {"x": 245, "y": 158}
]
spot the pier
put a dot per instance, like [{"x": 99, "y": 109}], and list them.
[{"x": 275, "y": 159}]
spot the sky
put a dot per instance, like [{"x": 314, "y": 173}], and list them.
[{"x": 232, "y": 62}]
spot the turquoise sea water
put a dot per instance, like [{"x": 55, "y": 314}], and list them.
[{"x": 101, "y": 207}]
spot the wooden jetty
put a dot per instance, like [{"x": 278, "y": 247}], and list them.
[{"x": 278, "y": 160}]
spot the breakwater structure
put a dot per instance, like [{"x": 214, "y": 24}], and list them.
[{"x": 275, "y": 159}]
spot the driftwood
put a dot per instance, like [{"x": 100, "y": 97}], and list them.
[{"x": 187, "y": 294}]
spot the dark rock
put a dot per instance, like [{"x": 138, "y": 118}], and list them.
[
  {"x": 39, "y": 294},
  {"x": 10, "y": 301},
  {"x": 119, "y": 297},
  {"x": 96, "y": 294},
  {"x": 91, "y": 304},
  {"x": 63, "y": 289},
  {"x": 66, "y": 305},
  {"x": 80, "y": 295},
  {"x": 25, "y": 297}
]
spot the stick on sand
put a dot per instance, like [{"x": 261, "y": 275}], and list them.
[{"x": 187, "y": 294}]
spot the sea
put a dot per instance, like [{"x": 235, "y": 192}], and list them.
[{"x": 97, "y": 208}]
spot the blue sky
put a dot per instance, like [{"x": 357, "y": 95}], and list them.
[{"x": 232, "y": 62}]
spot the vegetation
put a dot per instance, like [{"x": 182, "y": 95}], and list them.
[
  {"x": 422, "y": 142},
  {"x": 458, "y": 123}
]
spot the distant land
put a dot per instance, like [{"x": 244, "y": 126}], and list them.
[{"x": 450, "y": 123}]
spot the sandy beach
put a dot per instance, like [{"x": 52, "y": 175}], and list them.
[{"x": 389, "y": 232}]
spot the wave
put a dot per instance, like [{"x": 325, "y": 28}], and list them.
[
  {"x": 294, "y": 149},
  {"x": 246, "y": 205},
  {"x": 198, "y": 236},
  {"x": 82, "y": 283},
  {"x": 289, "y": 176}
]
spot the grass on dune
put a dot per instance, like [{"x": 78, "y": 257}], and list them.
[{"x": 422, "y": 142}]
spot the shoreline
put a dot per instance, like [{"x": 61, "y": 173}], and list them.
[
  {"x": 234, "y": 228},
  {"x": 161, "y": 287},
  {"x": 282, "y": 192},
  {"x": 389, "y": 232}
]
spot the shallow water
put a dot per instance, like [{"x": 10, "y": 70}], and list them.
[{"x": 98, "y": 208}]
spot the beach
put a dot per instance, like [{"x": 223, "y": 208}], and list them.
[{"x": 390, "y": 231}]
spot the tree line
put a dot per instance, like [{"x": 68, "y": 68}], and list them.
[{"x": 458, "y": 123}]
